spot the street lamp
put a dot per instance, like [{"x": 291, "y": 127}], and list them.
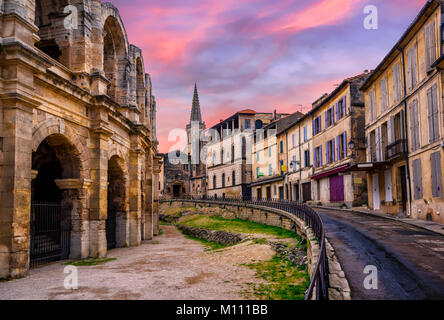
[{"x": 351, "y": 145}]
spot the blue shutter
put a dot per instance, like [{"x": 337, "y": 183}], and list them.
[
  {"x": 333, "y": 150},
  {"x": 333, "y": 115},
  {"x": 320, "y": 155},
  {"x": 343, "y": 106},
  {"x": 327, "y": 153},
  {"x": 315, "y": 157},
  {"x": 337, "y": 111},
  {"x": 345, "y": 144},
  {"x": 314, "y": 127},
  {"x": 326, "y": 119},
  {"x": 338, "y": 145}
]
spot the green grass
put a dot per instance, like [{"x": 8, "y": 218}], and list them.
[
  {"x": 160, "y": 232},
  {"x": 210, "y": 245},
  {"x": 89, "y": 262},
  {"x": 285, "y": 281},
  {"x": 237, "y": 226},
  {"x": 155, "y": 242}
]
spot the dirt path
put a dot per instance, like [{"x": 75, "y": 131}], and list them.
[{"x": 171, "y": 267}]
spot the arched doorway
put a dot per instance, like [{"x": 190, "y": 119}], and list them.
[
  {"x": 50, "y": 224},
  {"x": 116, "y": 219}
]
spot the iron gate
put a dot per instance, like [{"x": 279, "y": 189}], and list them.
[{"x": 50, "y": 233}]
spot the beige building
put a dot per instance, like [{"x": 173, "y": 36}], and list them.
[
  {"x": 78, "y": 152},
  {"x": 339, "y": 143},
  {"x": 300, "y": 158},
  {"x": 404, "y": 123},
  {"x": 270, "y": 159},
  {"x": 229, "y": 154}
]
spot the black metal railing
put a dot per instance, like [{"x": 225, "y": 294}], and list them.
[
  {"x": 395, "y": 149},
  {"x": 319, "y": 280}
]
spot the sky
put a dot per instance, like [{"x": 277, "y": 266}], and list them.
[{"x": 257, "y": 54}]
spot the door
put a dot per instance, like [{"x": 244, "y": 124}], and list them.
[
  {"x": 281, "y": 193},
  {"x": 337, "y": 188},
  {"x": 376, "y": 199},
  {"x": 306, "y": 190},
  {"x": 403, "y": 188},
  {"x": 268, "y": 193},
  {"x": 259, "y": 193},
  {"x": 296, "y": 192},
  {"x": 176, "y": 191}
]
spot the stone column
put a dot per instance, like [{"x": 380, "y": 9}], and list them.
[
  {"x": 15, "y": 188},
  {"x": 148, "y": 185},
  {"x": 135, "y": 195},
  {"x": 156, "y": 172},
  {"x": 99, "y": 191},
  {"x": 75, "y": 208}
]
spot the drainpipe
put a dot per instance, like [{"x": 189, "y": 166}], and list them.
[
  {"x": 300, "y": 164},
  {"x": 406, "y": 135}
]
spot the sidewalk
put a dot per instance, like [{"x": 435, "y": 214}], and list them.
[{"x": 423, "y": 224}]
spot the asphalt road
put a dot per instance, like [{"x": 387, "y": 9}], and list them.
[{"x": 409, "y": 260}]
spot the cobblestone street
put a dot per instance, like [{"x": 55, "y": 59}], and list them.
[{"x": 409, "y": 260}]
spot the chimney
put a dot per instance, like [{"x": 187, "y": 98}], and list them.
[{"x": 274, "y": 115}]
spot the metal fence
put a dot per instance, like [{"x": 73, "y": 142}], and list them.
[{"x": 319, "y": 281}]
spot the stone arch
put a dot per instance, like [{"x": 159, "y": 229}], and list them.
[
  {"x": 116, "y": 62},
  {"x": 54, "y": 126}
]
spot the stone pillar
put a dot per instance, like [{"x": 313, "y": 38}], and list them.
[
  {"x": 148, "y": 185},
  {"x": 156, "y": 172},
  {"x": 135, "y": 195},
  {"x": 75, "y": 207},
  {"x": 99, "y": 191},
  {"x": 15, "y": 188}
]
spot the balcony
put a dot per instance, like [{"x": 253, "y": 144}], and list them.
[{"x": 396, "y": 149}]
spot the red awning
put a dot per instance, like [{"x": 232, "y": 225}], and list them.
[{"x": 329, "y": 172}]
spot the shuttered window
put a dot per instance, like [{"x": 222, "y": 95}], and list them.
[
  {"x": 430, "y": 42},
  {"x": 372, "y": 104},
  {"x": 396, "y": 83},
  {"x": 414, "y": 125},
  {"x": 417, "y": 179},
  {"x": 435, "y": 162},
  {"x": 412, "y": 68},
  {"x": 432, "y": 98},
  {"x": 384, "y": 100}
]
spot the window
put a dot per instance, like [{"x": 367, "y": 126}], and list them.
[
  {"x": 258, "y": 172},
  {"x": 412, "y": 79},
  {"x": 329, "y": 117},
  {"x": 281, "y": 146},
  {"x": 435, "y": 162},
  {"x": 372, "y": 104},
  {"x": 396, "y": 83},
  {"x": 341, "y": 146},
  {"x": 417, "y": 178},
  {"x": 317, "y": 125},
  {"x": 282, "y": 164},
  {"x": 414, "y": 125},
  {"x": 270, "y": 169},
  {"x": 223, "y": 180},
  {"x": 214, "y": 182},
  {"x": 430, "y": 42},
  {"x": 269, "y": 151},
  {"x": 247, "y": 124},
  {"x": 330, "y": 151},
  {"x": 318, "y": 157},
  {"x": 258, "y": 156},
  {"x": 384, "y": 100},
  {"x": 307, "y": 158},
  {"x": 305, "y": 134},
  {"x": 294, "y": 163},
  {"x": 293, "y": 139},
  {"x": 433, "y": 114},
  {"x": 233, "y": 178},
  {"x": 340, "y": 108}
]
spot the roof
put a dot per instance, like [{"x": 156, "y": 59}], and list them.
[
  {"x": 430, "y": 5},
  {"x": 247, "y": 111}
]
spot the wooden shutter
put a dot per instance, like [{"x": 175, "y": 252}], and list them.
[
  {"x": 337, "y": 111},
  {"x": 396, "y": 83},
  {"x": 333, "y": 115},
  {"x": 430, "y": 42},
  {"x": 314, "y": 128},
  {"x": 388, "y": 185},
  {"x": 345, "y": 144},
  {"x": 320, "y": 155},
  {"x": 391, "y": 130},
  {"x": 369, "y": 148},
  {"x": 430, "y": 115},
  {"x": 435, "y": 112},
  {"x": 417, "y": 179},
  {"x": 409, "y": 69},
  {"x": 338, "y": 145},
  {"x": 326, "y": 119},
  {"x": 414, "y": 134},
  {"x": 435, "y": 162},
  {"x": 383, "y": 85},
  {"x": 315, "y": 159},
  {"x": 333, "y": 150},
  {"x": 344, "y": 107}
]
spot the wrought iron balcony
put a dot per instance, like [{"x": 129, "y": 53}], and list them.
[{"x": 396, "y": 149}]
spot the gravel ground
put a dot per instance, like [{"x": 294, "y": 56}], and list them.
[{"x": 171, "y": 267}]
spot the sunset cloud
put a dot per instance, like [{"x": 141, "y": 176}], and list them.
[{"x": 259, "y": 54}]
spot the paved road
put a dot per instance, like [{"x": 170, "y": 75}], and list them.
[{"x": 410, "y": 260}]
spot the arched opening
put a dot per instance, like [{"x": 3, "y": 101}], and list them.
[
  {"x": 116, "y": 218},
  {"x": 214, "y": 182},
  {"x": 223, "y": 180},
  {"x": 233, "y": 178},
  {"x": 55, "y": 160},
  {"x": 140, "y": 85},
  {"x": 114, "y": 52},
  {"x": 50, "y": 19}
]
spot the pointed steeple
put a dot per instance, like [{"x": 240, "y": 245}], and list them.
[{"x": 195, "y": 110}]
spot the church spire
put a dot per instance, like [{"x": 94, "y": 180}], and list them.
[{"x": 195, "y": 110}]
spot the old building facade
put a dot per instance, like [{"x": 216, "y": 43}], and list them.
[
  {"x": 78, "y": 152},
  {"x": 338, "y": 143},
  {"x": 404, "y": 121}
]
